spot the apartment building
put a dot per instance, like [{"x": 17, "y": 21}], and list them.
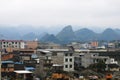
[
  {"x": 68, "y": 61},
  {"x": 19, "y": 44}
]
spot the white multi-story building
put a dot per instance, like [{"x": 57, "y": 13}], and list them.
[
  {"x": 19, "y": 44},
  {"x": 68, "y": 62}
]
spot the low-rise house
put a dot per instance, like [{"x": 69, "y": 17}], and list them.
[
  {"x": 86, "y": 59},
  {"x": 31, "y": 44},
  {"x": 76, "y": 45},
  {"x": 94, "y": 44},
  {"x": 6, "y": 56},
  {"x": 24, "y": 62},
  {"x": 113, "y": 67},
  {"x": 111, "y": 45},
  {"x": 86, "y": 45},
  {"x": 7, "y": 66}
]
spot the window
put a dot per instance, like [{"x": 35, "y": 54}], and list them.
[
  {"x": 70, "y": 59},
  {"x": 15, "y": 42},
  {"x": 80, "y": 64},
  {"x": 70, "y": 66},
  {"x": 97, "y": 60},
  {"x": 66, "y": 54},
  {"x": 66, "y": 60},
  {"x": 4, "y": 46},
  {"x": 70, "y": 54},
  {"x": 80, "y": 59},
  {"x": 49, "y": 57},
  {"x": 105, "y": 60},
  {"x": 66, "y": 66}
]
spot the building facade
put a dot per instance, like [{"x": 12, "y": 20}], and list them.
[
  {"x": 68, "y": 62},
  {"x": 11, "y": 44},
  {"x": 32, "y": 44}
]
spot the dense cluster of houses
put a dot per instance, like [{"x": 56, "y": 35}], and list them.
[{"x": 38, "y": 58}]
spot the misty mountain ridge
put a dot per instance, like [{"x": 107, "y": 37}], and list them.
[
  {"x": 66, "y": 35},
  {"x": 85, "y": 34}
]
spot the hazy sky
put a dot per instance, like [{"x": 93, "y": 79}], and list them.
[{"x": 60, "y": 12}]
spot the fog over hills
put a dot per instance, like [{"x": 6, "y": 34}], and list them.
[{"x": 61, "y": 34}]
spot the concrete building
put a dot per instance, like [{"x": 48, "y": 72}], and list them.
[
  {"x": 32, "y": 44},
  {"x": 94, "y": 44},
  {"x": 86, "y": 45},
  {"x": 76, "y": 45},
  {"x": 63, "y": 57},
  {"x": 87, "y": 59},
  {"x": 78, "y": 59},
  {"x": 113, "y": 67},
  {"x": 56, "y": 55},
  {"x": 68, "y": 61},
  {"x": 9, "y": 45}
]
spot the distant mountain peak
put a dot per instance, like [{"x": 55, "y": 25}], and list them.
[
  {"x": 49, "y": 38},
  {"x": 66, "y": 34},
  {"x": 109, "y": 34},
  {"x": 85, "y": 30},
  {"x": 108, "y": 29},
  {"x": 85, "y": 34},
  {"x": 67, "y": 28}
]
